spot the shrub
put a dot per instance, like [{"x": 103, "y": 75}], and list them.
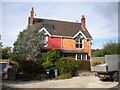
[
  {"x": 65, "y": 65},
  {"x": 64, "y": 76},
  {"x": 30, "y": 67},
  {"x": 82, "y": 65},
  {"x": 50, "y": 58}
]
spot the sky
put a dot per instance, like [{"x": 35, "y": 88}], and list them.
[{"x": 101, "y": 18}]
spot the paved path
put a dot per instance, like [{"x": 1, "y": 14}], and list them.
[{"x": 75, "y": 82}]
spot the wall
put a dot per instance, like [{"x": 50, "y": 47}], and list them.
[
  {"x": 54, "y": 42},
  {"x": 68, "y": 43},
  {"x": 87, "y": 46}
]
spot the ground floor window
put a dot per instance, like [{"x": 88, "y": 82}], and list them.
[{"x": 81, "y": 57}]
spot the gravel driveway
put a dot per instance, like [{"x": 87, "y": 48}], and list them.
[{"x": 75, "y": 82}]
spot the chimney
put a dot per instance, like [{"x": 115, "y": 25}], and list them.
[
  {"x": 31, "y": 17},
  {"x": 83, "y": 23}
]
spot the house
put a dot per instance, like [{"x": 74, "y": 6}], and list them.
[{"x": 72, "y": 39}]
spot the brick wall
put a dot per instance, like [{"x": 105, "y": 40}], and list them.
[
  {"x": 87, "y": 46},
  {"x": 68, "y": 43}
]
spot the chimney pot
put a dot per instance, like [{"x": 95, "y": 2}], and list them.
[{"x": 83, "y": 16}]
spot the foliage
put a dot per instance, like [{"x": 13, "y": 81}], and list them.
[
  {"x": 110, "y": 48},
  {"x": 65, "y": 65},
  {"x": 14, "y": 57},
  {"x": 96, "y": 62},
  {"x": 0, "y": 43},
  {"x": 30, "y": 66},
  {"x": 50, "y": 58},
  {"x": 82, "y": 65},
  {"x": 29, "y": 43},
  {"x": 64, "y": 76},
  {"x": 97, "y": 53},
  {"x": 6, "y": 52},
  {"x": 68, "y": 66}
]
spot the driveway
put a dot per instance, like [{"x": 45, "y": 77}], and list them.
[{"x": 75, "y": 82}]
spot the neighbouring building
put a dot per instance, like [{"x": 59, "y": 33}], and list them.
[{"x": 72, "y": 39}]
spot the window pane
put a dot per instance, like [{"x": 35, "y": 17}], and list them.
[
  {"x": 77, "y": 40},
  {"x": 78, "y": 57},
  {"x": 83, "y": 57},
  {"x": 80, "y": 40},
  {"x": 80, "y": 46},
  {"x": 77, "y": 45}
]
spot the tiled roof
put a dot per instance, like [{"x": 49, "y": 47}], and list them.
[
  {"x": 74, "y": 51},
  {"x": 62, "y": 28}
]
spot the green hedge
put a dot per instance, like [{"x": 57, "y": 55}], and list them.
[
  {"x": 71, "y": 66},
  {"x": 29, "y": 67},
  {"x": 65, "y": 65},
  {"x": 82, "y": 65}
]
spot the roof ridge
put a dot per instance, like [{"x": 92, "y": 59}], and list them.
[{"x": 59, "y": 20}]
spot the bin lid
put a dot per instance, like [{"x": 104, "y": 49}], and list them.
[{"x": 47, "y": 69}]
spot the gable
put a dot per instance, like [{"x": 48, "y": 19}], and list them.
[{"x": 80, "y": 35}]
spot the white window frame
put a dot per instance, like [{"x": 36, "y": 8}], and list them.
[
  {"x": 81, "y": 55},
  {"x": 79, "y": 43}
]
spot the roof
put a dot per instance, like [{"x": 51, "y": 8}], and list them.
[
  {"x": 67, "y": 51},
  {"x": 74, "y": 51},
  {"x": 62, "y": 28}
]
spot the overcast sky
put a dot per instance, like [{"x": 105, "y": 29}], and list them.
[{"x": 101, "y": 18}]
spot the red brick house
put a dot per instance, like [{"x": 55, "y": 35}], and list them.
[{"x": 72, "y": 39}]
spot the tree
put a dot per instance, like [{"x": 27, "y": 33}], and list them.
[
  {"x": 97, "y": 52},
  {"x": 109, "y": 48},
  {"x": 0, "y": 43},
  {"x": 0, "y": 48},
  {"x": 50, "y": 58},
  {"x": 6, "y": 52},
  {"x": 29, "y": 43}
]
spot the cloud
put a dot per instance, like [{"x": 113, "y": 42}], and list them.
[
  {"x": 108, "y": 11},
  {"x": 103, "y": 22}
]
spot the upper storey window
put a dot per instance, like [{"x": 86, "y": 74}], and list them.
[{"x": 79, "y": 41}]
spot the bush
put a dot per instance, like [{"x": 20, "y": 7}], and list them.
[
  {"x": 50, "y": 58},
  {"x": 82, "y": 65},
  {"x": 69, "y": 65},
  {"x": 29, "y": 67},
  {"x": 65, "y": 65},
  {"x": 64, "y": 76}
]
